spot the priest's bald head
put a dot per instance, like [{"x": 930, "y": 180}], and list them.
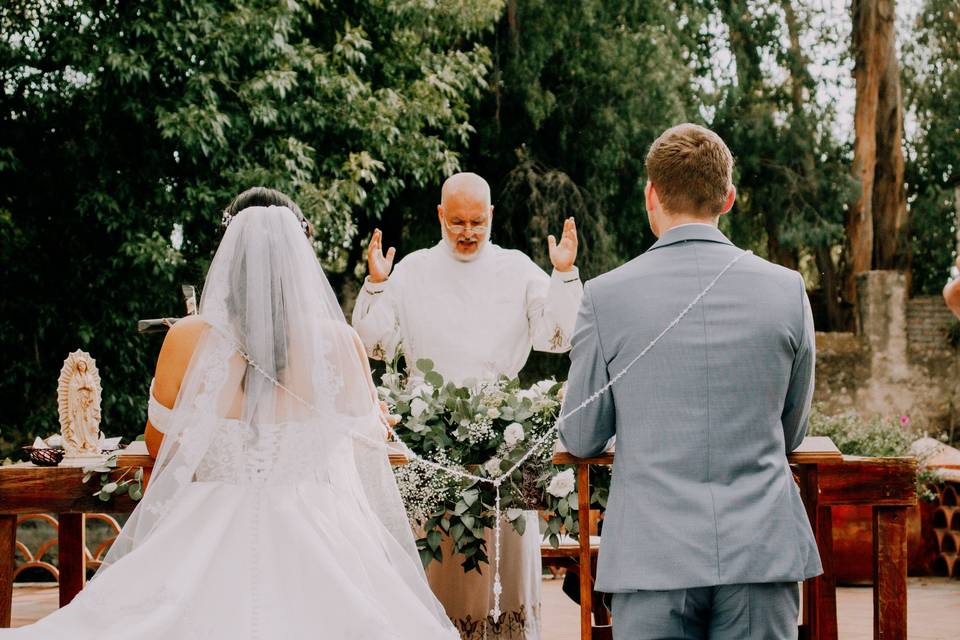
[{"x": 465, "y": 214}]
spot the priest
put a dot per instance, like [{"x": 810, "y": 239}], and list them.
[{"x": 475, "y": 309}]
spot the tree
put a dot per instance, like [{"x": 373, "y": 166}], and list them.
[
  {"x": 932, "y": 90},
  {"x": 876, "y": 218},
  {"x": 129, "y": 126}
]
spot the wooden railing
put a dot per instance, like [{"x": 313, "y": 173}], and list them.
[{"x": 826, "y": 479}]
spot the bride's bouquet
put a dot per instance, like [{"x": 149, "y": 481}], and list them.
[{"x": 483, "y": 428}]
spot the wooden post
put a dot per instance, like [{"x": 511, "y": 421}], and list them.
[
  {"x": 73, "y": 574},
  {"x": 8, "y": 546},
  {"x": 586, "y": 584},
  {"x": 827, "y": 604},
  {"x": 889, "y": 573},
  {"x": 810, "y": 488}
]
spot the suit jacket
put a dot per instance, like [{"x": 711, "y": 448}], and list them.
[{"x": 702, "y": 494}]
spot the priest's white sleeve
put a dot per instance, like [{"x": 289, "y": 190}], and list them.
[
  {"x": 552, "y": 305},
  {"x": 375, "y": 318}
]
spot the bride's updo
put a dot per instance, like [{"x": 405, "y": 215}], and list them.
[
  {"x": 265, "y": 197},
  {"x": 274, "y": 361}
]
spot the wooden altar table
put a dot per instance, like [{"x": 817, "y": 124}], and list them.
[
  {"x": 826, "y": 479},
  {"x": 27, "y": 489}
]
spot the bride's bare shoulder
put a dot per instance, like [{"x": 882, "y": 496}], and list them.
[{"x": 178, "y": 347}]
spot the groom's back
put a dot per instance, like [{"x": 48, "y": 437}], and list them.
[{"x": 702, "y": 492}]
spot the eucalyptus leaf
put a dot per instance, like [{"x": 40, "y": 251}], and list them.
[{"x": 520, "y": 525}]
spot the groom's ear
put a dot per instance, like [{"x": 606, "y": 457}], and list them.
[
  {"x": 650, "y": 197},
  {"x": 728, "y": 203}
]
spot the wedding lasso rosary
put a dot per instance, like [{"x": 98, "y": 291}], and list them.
[{"x": 495, "y": 612}]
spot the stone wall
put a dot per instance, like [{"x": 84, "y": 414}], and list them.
[{"x": 899, "y": 361}]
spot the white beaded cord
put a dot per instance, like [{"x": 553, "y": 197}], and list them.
[{"x": 495, "y": 612}]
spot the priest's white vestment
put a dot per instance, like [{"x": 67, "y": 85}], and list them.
[{"x": 475, "y": 320}]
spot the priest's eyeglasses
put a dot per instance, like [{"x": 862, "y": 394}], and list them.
[{"x": 457, "y": 229}]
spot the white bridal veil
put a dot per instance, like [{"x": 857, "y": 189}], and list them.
[{"x": 279, "y": 371}]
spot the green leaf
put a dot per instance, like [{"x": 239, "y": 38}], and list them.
[
  {"x": 468, "y": 520},
  {"x": 426, "y": 556},
  {"x": 562, "y": 507},
  {"x": 456, "y": 531},
  {"x": 519, "y": 525},
  {"x": 425, "y": 365},
  {"x": 433, "y": 539},
  {"x": 470, "y": 496},
  {"x": 135, "y": 492},
  {"x": 460, "y": 508},
  {"x": 110, "y": 487},
  {"x": 433, "y": 378}
]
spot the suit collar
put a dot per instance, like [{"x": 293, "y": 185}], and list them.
[{"x": 688, "y": 232}]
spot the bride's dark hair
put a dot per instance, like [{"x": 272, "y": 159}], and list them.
[
  {"x": 263, "y": 197},
  {"x": 267, "y": 197}
]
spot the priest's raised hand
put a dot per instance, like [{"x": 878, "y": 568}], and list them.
[
  {"x": 563, "y": 255},
  {"x": 379, "y": 265}
]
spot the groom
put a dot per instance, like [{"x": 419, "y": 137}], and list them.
[{"x": 705, "y": 534}]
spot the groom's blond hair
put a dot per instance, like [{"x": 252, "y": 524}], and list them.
[{"x": 691, "y": 169}]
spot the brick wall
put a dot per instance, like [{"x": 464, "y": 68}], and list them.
[{"x": 928, "y": 321}]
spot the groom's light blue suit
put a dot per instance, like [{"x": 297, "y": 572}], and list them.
[{"x": 702, "y": 495}]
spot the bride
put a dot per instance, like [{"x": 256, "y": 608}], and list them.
[{"x": 272, "y": 511}]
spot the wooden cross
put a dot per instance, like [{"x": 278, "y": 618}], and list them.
[{"x": 156, "y": 325}]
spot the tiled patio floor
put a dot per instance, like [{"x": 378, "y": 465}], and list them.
[{"x": 933, "y": 610}]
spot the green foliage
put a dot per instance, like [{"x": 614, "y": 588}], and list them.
[
  {"x": 875, "y": 437},
  {"x": 856, "y": 436},
  {"x": 932, "y": 93},
  {"x": 129, "y": 126},
  {"x": 126, "y": 124},
  {"x": 579, "y": 90},
  {"x": 130, "y": 482}
]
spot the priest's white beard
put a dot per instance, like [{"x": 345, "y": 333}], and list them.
[{"x": 450, "y": 244}]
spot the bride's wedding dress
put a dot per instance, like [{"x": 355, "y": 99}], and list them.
[{"x": 272, "y": 511}]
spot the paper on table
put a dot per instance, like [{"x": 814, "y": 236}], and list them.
[
  {"x": 108, "y": 444},
  {"x": 38, "y": 443}
]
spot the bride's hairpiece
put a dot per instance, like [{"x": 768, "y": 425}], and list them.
[{"x": 227, "y": 217}]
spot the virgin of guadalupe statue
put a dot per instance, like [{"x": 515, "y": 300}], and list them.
[{"x": 78, "y": 399}]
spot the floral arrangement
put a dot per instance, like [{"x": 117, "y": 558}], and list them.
[{"x": 485, "y": 429}]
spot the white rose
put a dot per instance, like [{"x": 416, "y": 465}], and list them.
[
  {"x": 417, "y": 407},
  {"x": 423, "y": 390},
  {"x": 493, "y": 414},
  {"x": 390, "y": 379},
  {"x": 528, "y": 394},
  {"x": 513, "y": 434},
  {"x": 562, "y": 484},
  {"x": 492, "y": 467},
  {"x": 544, "y": 386}
]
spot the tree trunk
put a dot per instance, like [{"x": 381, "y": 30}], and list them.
[
  {"x": 866, "y": 72},
  {"x": 889, "y": 194}
]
